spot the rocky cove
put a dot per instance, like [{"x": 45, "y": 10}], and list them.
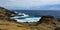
[{"x": 45, "y": 23}]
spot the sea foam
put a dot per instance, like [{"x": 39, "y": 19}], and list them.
[
  {"x": 25, "y": 18},
  {"x": 31, "y": 19}
]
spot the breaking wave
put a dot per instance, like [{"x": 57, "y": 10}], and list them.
[{"x": 21, "y": 17}]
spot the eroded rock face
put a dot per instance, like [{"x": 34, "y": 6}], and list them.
[
  {"x": 5, "y": 13},
  {"x": 46, "y": 19},
  {"x": 49, "y": 22},
  {"x": 58, "y": 28}
]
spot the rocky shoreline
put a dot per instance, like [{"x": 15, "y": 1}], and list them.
[{"x": 45, "y": 23}]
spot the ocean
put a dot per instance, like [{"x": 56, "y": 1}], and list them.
[
  {"x": 39, "y": 13},
  {"x": 35, "y": 15}
]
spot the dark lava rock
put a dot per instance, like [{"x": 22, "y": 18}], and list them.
[
  {"x": 46, "y": 19},
  {"x": 5, "y": 13},
  {"x": 57, "y": 28}
]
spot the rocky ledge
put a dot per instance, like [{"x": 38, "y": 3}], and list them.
[
  {"x": 49, "y": 22},
  {"x": 5, "y": 13},
  {"x": 45, "y": 23}
]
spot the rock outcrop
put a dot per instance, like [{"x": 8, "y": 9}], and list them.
[
  {"x": 49, "y": 22},
  {"x": 5, "y": 13},
  {"x": 45, "y": 19}
]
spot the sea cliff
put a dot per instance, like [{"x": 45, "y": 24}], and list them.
[{"x": 45, "y": 23}]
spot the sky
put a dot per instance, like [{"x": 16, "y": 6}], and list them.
[{"x": 31, "y": 4}]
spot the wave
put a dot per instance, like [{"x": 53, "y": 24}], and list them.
[
  {"x": 31, "y": 19},
  {"x": 22, "y": 17}
]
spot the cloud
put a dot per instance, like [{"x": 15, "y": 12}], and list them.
[
  {"x": 27, "y": 3},
  {"x": 46, "y": 7}
]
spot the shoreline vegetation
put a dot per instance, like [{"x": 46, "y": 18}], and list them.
[{"x": 45, "y": 23}]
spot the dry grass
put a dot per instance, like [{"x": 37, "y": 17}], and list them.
[{"x": 12, "y": 25}]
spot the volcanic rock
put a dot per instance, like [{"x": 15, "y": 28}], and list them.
[
  {"x": 46, "y": 19},
  {"x": 5, "y": 13}
]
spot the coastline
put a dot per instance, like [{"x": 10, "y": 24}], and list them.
[{"x": 45, "y": 23}]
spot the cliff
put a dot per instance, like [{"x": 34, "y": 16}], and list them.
[
  {"x": 49, "y": 23},
  {"x": 5, "y": 13},
  {"x": 8, "y": 24},
  {"x": 45, "y": 23}
]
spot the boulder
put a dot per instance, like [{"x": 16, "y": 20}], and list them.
[{"x": 46, "y": 19}]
